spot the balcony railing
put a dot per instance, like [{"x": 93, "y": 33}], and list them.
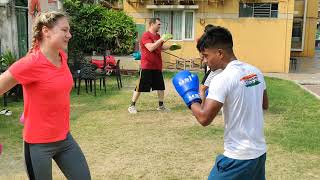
[
  {"x": 172, "y": 2},
  {"x": 166, "y": 2}
]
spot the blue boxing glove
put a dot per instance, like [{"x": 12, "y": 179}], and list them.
[{"x": 187, "y": 85}]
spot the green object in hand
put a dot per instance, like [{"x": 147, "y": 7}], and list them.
[
  {"x": 166, "y": 37},
  {"x": 175, "y": 46}
]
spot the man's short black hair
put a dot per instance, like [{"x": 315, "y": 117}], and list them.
[
  {"x": 208, "y": 27},
  {"x": 153, "y": 21},
  {"x": 216, "y": 37}
]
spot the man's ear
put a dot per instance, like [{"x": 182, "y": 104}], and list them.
[{"x": 221, "y": 53}]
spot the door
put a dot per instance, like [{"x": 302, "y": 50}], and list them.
[
  {"x": 22, "y": 27},
  {"x": 140, "y": 29}
]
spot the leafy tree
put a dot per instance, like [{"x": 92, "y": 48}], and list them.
[{"x": 95, "y": 28}]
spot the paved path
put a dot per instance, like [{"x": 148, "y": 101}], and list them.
[
  {"x": 301, "y": 78},
  {"x": 310, "y": 82}
]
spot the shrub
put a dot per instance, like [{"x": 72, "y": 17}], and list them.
[
  {"x": 6, "y": 59},
  {"x": 95, "y": 28}
]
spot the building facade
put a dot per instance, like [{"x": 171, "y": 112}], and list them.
[
  {"x": 266, "y": 33},
  {"x": 16, "y": 17}
]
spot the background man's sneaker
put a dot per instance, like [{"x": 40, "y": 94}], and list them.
[
  {"x": 132, "y": 110},
  {"x": 163, "y": 108}
]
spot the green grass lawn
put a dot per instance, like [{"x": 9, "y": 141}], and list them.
[{"x": 172, "y": 145}]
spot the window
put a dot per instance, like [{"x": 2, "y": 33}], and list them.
[
  {"x": 298, "y": 26},
  {"x": 178, "y": 23},
  {"x": 259, "y": 10},
  {"x": 23, "y": 3},
  {"x": 188, "y": 25}
]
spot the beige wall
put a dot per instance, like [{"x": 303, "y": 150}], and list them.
[{"x": 263, "y": 42}]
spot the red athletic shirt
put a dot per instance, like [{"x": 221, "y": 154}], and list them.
[
  {"x": 46, "y": 90},
  {"x": 150, "y": 60}
]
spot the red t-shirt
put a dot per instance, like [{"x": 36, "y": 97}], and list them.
[
  {"x": 46, "y": 90},
  {"x": 150, "y": 60}
]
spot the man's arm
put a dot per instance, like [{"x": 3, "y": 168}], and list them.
[
  {"x": 265, "y": 103},
  {"x": 187, "y": 86},
  {"x": 202, "y": 92},
  {"x": 153, "y": 46},
  {"x": 165, "y": 47},
  {"x": 207, "y": 112}
]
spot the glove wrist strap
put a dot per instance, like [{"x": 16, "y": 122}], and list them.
[{"x": 195, "y": 101}]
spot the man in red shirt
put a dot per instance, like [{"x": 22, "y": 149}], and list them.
[{"x": 151, "y": 64}]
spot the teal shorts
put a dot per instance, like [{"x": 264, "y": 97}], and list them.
[{"x": 232, "y": 169}]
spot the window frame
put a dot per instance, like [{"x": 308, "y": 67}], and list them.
[
  {"x": 183, "y": 30},
  {"x": 253, "y": 14},
  {"x": 184, "y": 25},
  {"x": 303, "y": 29}
]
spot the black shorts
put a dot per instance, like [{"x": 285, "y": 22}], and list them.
[
  {"x": 205, "y": 77},
  {"x": 150, "y": 79}
]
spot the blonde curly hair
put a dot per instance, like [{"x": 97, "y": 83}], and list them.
[{"x": 48, "y": 19}]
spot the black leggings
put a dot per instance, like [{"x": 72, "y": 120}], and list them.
[{"x": 66, "y": 153}]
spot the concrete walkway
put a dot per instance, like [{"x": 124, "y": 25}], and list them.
[
  {"x": 301, "y": 78},
  {"x": 308, "y": 82}
]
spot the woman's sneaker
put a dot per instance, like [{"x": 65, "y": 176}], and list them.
[{"x": 132, "y": 109}]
